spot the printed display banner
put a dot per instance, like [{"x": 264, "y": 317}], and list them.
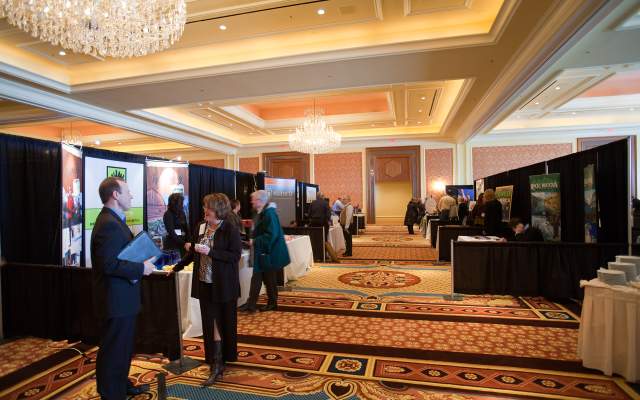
[
  {"x": 163, "y": 179},
  {"x": 283, "y": 192},
  {"x": 479, "y": 188},
  {"x": 71, "y": 206},
  {"x": 95, "y": 171},
  {"x": 311, "y": 194},
  {"x": 590, "y": 205},
  {"x": 504, "y": 195},
  {"x": 545, "y": 205}
]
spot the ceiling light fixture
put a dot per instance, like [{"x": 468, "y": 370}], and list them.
[
  {"x": 223, "y": 27},
  {"x": 420, "y": 110},
  {"x": 106, "y": 28},
  {"x": 557, "y": 87},
  {"x": 62, "y": 53},
  {"x": 179, "y": 158},
  {"x": 423, "y": 98},
  {"x": 321, "y": 11},
  {"x": 537, "y": 102},
  {"x": 314, "y": 136},
  {"x": 97, "y": 143}
]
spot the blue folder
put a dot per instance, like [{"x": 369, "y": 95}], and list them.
[{"x": 140, "y": 249}]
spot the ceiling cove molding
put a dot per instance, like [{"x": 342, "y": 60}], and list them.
[
  {"x": 29, "y": 76},
  {"x": 462, "y": 95},
  {"x": 568, "y": 22},
  {"x": 39, "y": 98},
  {"x": 204, "y": 135},
  {"x": 409, "y": 11}
]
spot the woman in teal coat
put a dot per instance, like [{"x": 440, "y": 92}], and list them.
[{"x": 270, "y": 253}]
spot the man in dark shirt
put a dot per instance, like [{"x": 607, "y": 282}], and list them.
[{"x": 320, "y": 213}]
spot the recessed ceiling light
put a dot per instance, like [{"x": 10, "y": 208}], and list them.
[
  {"x": 179, "y": 158},
  {"x": 62, "y": 53},
  {"x": 208, "y": 115},
  {"x": 119, "y": 142},
  {"x": 537, "y": 102},
  {"x": 420, "y": 110},
  {"x": 419, "y": 122},
  {"x": 423, "y": 98},
  {"x": 321, "y": 11},
  {"x": 97, "y": 142},
  {"x": 557, "y": 87},
  {"x": 223, "y": 27}
]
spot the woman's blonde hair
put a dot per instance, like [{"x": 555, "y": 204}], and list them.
[
  {"x": 489, "y": 195},
  {"x": 218, "y": 203}
]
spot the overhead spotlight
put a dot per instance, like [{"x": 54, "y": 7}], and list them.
[
  {"x": 62, "y": 53},
  {"x": 423, "y": 98},
  {"x": 557, "y": 87},
  {"x": 97, "y": 143},
  {"x": 537, "y": 102},
  {"x": 420, "y": 110},
  {"x": 419, "y": 122},
  {"x": 179, "y": 158},
  {"x": 321, "y": 11},
  {"x": 208, "y": 115},
  {"x": 223, "y": 27},
  {"x": 119, "y": 142}
]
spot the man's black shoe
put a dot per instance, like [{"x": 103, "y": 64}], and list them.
[
  {"x": 247, "y": 307},
  {"x": 136, "y": 390},
  {"x": 268, "y": 307}
]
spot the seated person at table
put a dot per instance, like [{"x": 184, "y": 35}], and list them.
[{"x": 518, "y": 232}]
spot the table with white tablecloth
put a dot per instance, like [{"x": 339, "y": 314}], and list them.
[
  {"x": 609, "y": 336},
  {"x": 301, "y": 256},
  {"x": 301, "y": 262},
  {"x": 336, "y": 239}
]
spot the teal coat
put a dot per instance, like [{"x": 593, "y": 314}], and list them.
[{"x": 270, "y": 249}]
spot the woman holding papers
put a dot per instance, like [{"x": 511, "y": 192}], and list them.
[{"x": 215, "y": 255}]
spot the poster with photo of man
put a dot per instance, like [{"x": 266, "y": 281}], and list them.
[{"x": 71, "y": 206}]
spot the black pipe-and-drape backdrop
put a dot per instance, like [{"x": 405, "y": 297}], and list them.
[
  {"x": 30, "y": 200},
  {"x": 204, "y": 180},
  {"x": 245, "y": 185},
  {"x": 612, "y": 179}
]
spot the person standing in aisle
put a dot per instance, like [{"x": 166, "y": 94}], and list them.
[
  {"x": 346, "y": 217},
  {"x": 116, "y": 292}
]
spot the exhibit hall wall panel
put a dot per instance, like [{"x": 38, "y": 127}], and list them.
[
  {"x": 339, "y": 174},
  {"x": 210, "y": 163},
  {"x": 438, "y": 169},
  {"x": 71, "y": 206},
  {"x": 250, "y": 164},
  {"x": 489, "y": 161}
]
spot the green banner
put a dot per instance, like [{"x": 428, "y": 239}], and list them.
[
  {"x": 134, "y": 217},
  {"x": 504, "y": 195},
  {"x": 545, "y": 205}
]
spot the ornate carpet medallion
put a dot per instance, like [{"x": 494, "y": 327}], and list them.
[{"x": 379, "y": 279}]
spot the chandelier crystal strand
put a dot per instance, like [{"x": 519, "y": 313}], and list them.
[
  {"x": 314, "y": 136},
  {"x": 105, "y": 28}
]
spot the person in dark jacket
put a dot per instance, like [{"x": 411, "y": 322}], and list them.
[
  {"x": 320, "y": 213},
  {"x": 492, "y": 214},
  {"x": 518, "y": 232},
  {"x": 411, "y": 215},
  {"x": 175, "y": 222},
  {"x": 215, "y": 282},
  {"x": 270, "y": 253},
  {"x": 116, "y": 292}
]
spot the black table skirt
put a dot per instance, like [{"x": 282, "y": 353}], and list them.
[
  {"x": 552, "y": 270},
  {"x": 56, "y": 302}
]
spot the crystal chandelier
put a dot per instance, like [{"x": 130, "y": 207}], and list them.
[
  {"x": 106, "y": 28},
  {"x": 314, "y": 136}
]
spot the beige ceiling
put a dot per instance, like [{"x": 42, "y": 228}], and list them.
[{"x": 465, "y": 57}]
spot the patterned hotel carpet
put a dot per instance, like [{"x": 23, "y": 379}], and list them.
[
  {"x": 376, "y": 280},
  {"x": 264, "y": 372},
  {"x": 392, "y": 253},
  {"x": 390, "y": 240},
  {"x": 22, "y": 352}
]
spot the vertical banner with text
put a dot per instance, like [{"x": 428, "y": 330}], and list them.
[
  {"x": 71, "y": 206},
  {"x": 545, "y": 205},
  {"x": 283, "y": 192},
  {"x": 504, "y": 195},
  {"x": 590, "y": 205},
  {"x": 95, "y": 171},
  {"x": 163, "y": 179}
]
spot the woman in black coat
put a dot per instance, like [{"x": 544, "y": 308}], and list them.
[
  {"x": 175, "y": 222},
  {"x": 411, "y": 216},
  {"x": 215, "y": 256},
  {"x": 492, "y": 214}
]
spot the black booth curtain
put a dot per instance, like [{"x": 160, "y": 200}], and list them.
[
  {"x": 245, "y": 185},
  {"x": 203, "y": 181},
  {"x": 612, "y": 179},
  {"x": 30, "y": 200}
]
